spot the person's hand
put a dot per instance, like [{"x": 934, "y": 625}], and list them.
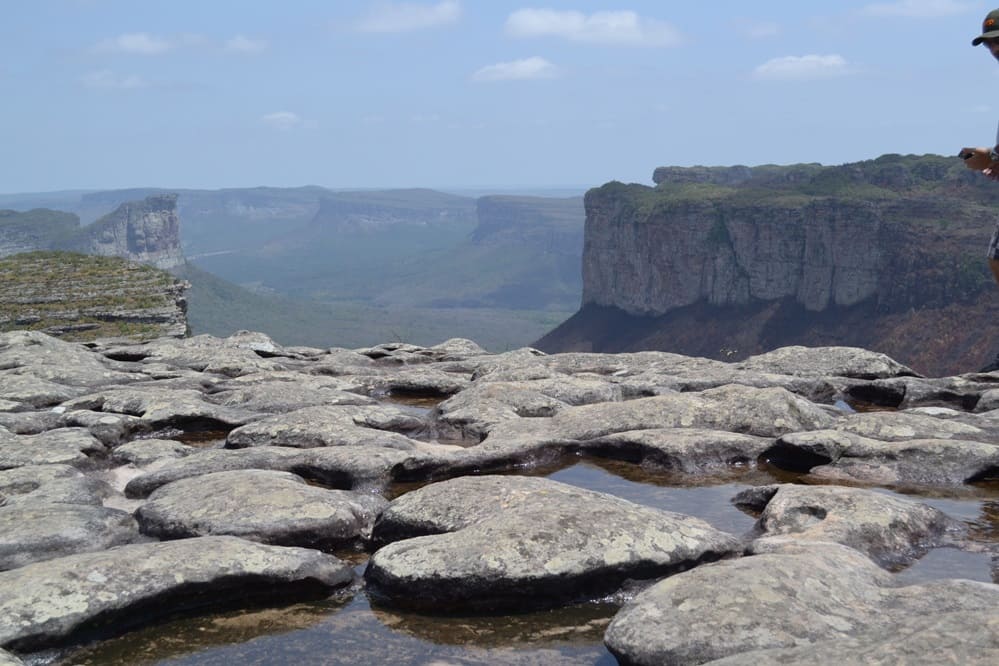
[
  {"x": 976, "y": 159},
  {"x": 979, "y": 158}
]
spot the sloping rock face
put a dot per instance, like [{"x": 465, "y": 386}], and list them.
[
  {"x": 147, "y": 231},
  {"x": 738, "y": 261}
]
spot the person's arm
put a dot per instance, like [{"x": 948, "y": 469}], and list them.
[{"x": 980, "y": 159}]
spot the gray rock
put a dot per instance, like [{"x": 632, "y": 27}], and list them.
[
  {"x": 51, "y": 359},
  {"x": 31, "y": 423},
  {"x": 786, "y": 595},
  {"x": 20, "y": 480},
  {"x": 163, "y": 408},
  {"x": 966, "y": 637},
  {"x": 45, "y": 531},
  {"x": 69, "y": 446},
  {"x": 494, "y": 541},
  {"x": 110, "y": 429},
  {"x": 824, "y": 361},
  {"x": 229, "y": 357},
  {"x": 341, "y": 467},
  {"x": 900, "y": 426},
  {"x": 76, "y": 490},
  {"x": 283, "y": 396},
  {"x": 142, "y": 452},
  {"x": 44, "y": 604},
  {"x": 33, "y": 391},
  {"x": 7, "y": 659},
  {"x": 261, "y": 505},
  {"x": 839, "y": 455},
  {"x": 688, "y": 450},
  {"x": 892, "y": 531},
  {"x": 329, "y": 426}
]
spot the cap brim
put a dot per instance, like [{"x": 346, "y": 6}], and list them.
[{"x": 981, "y": 38}]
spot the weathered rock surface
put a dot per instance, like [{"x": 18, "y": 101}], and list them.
[
  {"x": 493, "y": 541},
  {"x": 45, "y": 603},
  {"x": 261, "y": 505},
  {"x": 891, "y": 530},
  {"x": 145, "y": 451},
  {"x": 682, "y": 449},
  {"x": 781, "y": 597},
  {"x": 963, "y": 637},
  {"x": 330, "y": 426},
  {"x": 837, "y": 454},
  {"x": 69, "y": 446},
  {"x": 31, "y": 533},
  {"x": 338, "y": 467}
]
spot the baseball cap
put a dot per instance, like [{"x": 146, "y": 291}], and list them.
[{"x": 990, "y": 28}]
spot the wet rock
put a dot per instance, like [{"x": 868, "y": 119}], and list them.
[
  {"x": 890, "y": 530},
  {"x": 142, "y": 452},
  {"x": 340, "y": 467},
  {"x": 967, "y": 637},
  {"x": 330, "y": 426},
  {"x": 32, "y": 533},
  {"x": 786, "y": 595},
  {"x": 494, "y": 541},
  {"x": 834, "y": 454},
  {"x": 826, "y": 361},
  {"x": 261, "y": 505},
  {"x": 68, "y": 446},
  {"x": 43, "y": 604},
  {"x": 688, "y": 450}
]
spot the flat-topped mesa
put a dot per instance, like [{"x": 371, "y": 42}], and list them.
[
  {"x": 147, "y": 231},
  {"x": 722, "y": 261}
]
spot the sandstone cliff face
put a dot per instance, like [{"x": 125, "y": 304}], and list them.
[
  {"x": 750, "y": 259},
  {"x": 147, "y": 231}
]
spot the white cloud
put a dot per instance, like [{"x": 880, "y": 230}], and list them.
[
  {"x": 405, "y": 17},
  {"x": 282, "y": 120},
  {"x": 517, "y": 70},
  {"x": 241, "y": 44},
  {"x": 801, "y": 68},
  {"x": 918, "y": 8},
  {"x": 108, "y": 80},
  {"x": 624, "y": 28},
  {"x": 141, "y": 43}
]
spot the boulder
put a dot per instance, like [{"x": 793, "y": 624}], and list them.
[
  {"x": 784, "y": 595},
  {"x": 32, "y": 533},
  {"x": 502, "y": 541},
  {"x": 46, "y": 603},
  {"x": 890, "y": 530},
  {"x": 261, "y": 505}
]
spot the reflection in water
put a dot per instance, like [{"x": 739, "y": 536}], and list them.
[{"x": 346, "y": 630}]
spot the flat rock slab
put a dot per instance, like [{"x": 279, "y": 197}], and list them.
[
  {"x": 67, "y": 446},
  {"x": 340, "y": 467},
  {"x": 901, "y": 426},
  {"x": 145, "y": 451},
  {"x": 786, "y": 595},
  {"x": 278, "y": 397},
  {"x": 689, "y": 450},
  {"x": 845, "y": 456},
  {"x": 969, "y": 638},
  {"x": 852, "y": 362},
  {"x": 32, "y": 533},
  {"x": 44, "y": 604},
  {"x": 161, "y": 407},
  {"x": 891, "y": 530},
  {"x": 494, "y": 541},
  {"x": 330, "y": 426},
  {"x": 261, "y": 505}
]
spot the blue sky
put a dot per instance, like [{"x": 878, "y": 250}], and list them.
[{"x": 101, "y": 94}]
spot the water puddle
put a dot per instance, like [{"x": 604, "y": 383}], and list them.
[{"x": 347, "y": 629}]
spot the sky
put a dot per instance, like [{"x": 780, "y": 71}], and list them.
[{"x": 449, "y": 94}]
